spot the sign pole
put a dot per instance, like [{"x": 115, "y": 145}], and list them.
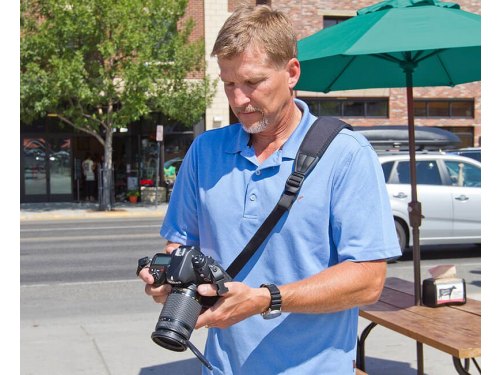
[{"x": 159, "y": 139}]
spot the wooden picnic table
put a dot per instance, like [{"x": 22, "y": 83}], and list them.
[{"x": 455, "y": 330}]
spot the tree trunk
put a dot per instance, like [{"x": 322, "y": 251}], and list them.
[{"x": 105, "y": 203}]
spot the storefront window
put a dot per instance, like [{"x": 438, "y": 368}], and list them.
[
  {"x": 47, "y": 166},
  {"x": 34, "y": 166},
  {"x": 60, "y": 166}
]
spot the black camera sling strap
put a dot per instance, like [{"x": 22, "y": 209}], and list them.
[{"x": 318, "y": 138}]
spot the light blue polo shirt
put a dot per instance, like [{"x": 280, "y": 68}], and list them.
[{"x": 221, "y": 197}]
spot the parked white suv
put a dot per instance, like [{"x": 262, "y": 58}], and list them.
[{"x": 449, "y": 189}]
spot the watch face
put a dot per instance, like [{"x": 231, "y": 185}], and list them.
[{"x": 271, "y": 314}]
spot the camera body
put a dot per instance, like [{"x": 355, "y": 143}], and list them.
[{"x": 185, "y": 268}]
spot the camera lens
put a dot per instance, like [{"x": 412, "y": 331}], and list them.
[{"x": 177, "y": 319}]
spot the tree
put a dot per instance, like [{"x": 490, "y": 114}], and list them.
[{"x": 101, "y": 64}]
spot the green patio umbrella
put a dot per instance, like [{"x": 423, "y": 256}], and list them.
[{"x": 396, "y": 43}]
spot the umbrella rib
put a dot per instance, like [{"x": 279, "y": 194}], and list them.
[
  {"x": 386, "y": 56},
  {"x": 435, "y": 52},
  {"x": 450, "y": 80},
  {"x": 330, "y": 86}
]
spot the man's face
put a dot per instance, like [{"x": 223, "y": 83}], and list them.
[{"x": 258, "y": 91}]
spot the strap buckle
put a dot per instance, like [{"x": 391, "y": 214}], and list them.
[
  {"x": 292, "y": 186},
  {"x": 294, "y": 182}
]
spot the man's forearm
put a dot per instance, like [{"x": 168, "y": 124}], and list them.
[{"x": 337, "y": 288}]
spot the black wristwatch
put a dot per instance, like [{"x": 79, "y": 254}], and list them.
[
  {"x": 274, "y": 309},
  {"x": 142, "y": 263}
]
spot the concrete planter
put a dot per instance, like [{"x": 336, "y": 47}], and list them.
[{"x": 148, "y": 194}]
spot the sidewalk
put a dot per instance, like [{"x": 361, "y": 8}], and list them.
[
  {"x": 89, "y": 210},
  {"x": 119, "y": 344}
]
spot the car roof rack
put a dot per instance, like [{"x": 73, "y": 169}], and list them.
[{"x": 394, "y": 138}]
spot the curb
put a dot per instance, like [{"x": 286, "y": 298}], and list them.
[{"x": 86, "y": 213}]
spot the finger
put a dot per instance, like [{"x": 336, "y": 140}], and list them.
[
  {"x": 171, "y": 246},
  {"x": 205, "y": 320},
  {"x": 160, "y": 299},
  {"x": 158, "y": 291},
  {"x": 207, "y": 290},
  {"x": 146, "y": 276}
]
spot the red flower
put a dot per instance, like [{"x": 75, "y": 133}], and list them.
[{"x": 146, "y": 182}]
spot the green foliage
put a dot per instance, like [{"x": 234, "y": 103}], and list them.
[
  {"x": 105, "y": 63},
  {"x": 133, "y": 193}
]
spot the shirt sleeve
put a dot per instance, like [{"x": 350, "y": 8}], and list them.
[{"x": 361, "y": 216}]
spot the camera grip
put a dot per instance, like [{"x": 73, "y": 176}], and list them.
[{"x": 207, "y": 302}]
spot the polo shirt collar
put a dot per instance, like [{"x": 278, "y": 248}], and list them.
[
  {"x": 292, "y": 144},
  {"x": 241, "y": 142}
]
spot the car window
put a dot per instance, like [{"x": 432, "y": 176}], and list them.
[
  {"x": 476, "y": 155},
  {"x": 403, "y": 173},
  {"x": 427, "y": 173},
  {"x": 387, "y": 168},
  {"x": 463, "y": 174}
]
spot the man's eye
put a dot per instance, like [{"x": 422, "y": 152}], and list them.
[{"x": 254, "y": 82}]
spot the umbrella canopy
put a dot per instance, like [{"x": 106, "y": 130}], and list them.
[
  {"x": 438, "y": 40},
  {"x": 396, "y": 43}
]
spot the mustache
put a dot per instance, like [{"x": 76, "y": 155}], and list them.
[{"x": 248, "y": 108}]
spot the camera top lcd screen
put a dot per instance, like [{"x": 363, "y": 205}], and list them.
[{"x": 162, "y": 260}]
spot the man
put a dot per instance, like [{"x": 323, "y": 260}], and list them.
[
  {"x": 88, "y": 168},
  {"x": 325, "y": 257}
]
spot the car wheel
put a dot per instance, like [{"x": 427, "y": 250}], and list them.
[{"x": 402, "y": 236}]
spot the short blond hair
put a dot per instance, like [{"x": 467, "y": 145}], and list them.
[{"x": 261, "y": 26}]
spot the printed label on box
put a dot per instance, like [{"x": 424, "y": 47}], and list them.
[{"x": 450, "y": 292}]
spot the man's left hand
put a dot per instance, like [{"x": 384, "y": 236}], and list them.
[{"x": 239, "y": 303}]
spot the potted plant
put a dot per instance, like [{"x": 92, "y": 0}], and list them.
[{"x": 133, "y": 195}]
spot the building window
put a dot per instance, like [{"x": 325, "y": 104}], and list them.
[
  {"x": 333, "y": 20},
  {"x": 349, "y": 107},
  {"x": 454, "y": 108},
  {"x": 465, "y": 133}
]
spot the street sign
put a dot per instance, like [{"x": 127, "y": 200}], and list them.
[{"x": 159, "y": 133}]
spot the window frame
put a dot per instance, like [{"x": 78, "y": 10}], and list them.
[
  {"x": 315, "y": 106},
  {"x": 424, "y": 112}
]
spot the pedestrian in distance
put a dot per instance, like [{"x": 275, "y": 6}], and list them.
[
  {"x": 88, "y": 170},
  {"x": 323, "y": 259}
]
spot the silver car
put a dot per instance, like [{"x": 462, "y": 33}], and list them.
[{"x": 449, "y": 189}]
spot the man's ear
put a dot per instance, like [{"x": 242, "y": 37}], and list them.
[{"x": 293, "y": 68}]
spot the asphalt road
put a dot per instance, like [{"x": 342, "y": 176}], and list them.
[
  {"x": 79, "y": 294},
  {"x": 107, "y": 250},
  {"x": 87, "y": 250}
]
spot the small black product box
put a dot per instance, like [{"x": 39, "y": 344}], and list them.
[{"x": 443, "y": 292}]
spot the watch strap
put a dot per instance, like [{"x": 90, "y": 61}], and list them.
[{"x": 274, "y": 308}]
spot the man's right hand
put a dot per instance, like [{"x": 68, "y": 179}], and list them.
[{"x": 159, "y": 293}]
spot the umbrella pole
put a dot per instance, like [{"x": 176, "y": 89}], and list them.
[{"x": 414, "y": 207}]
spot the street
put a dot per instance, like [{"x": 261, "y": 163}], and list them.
[{"x": 79, "y": 294}]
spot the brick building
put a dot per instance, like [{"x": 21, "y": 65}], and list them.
[{"x": 457, "y": 109}]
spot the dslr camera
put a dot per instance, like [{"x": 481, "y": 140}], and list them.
[{"x": 185, "y": 268}]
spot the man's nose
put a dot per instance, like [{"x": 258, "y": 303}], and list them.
[{"x": 240, "y": 97}]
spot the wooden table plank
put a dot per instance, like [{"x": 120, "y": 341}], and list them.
[
  {"x": 455, "y": 330},
  {"x": 460, "y": 342}
]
